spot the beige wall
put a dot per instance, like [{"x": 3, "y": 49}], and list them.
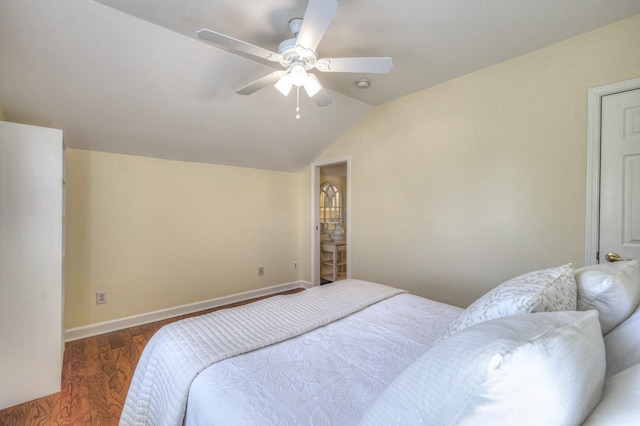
[
  {"x": 461, "y": 186},
  {"x": 156, "y": 234}
]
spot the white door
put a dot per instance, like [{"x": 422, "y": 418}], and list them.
[{"x": 620, "y": 176}]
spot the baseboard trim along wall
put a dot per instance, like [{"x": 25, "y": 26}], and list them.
[{"x": 133, "y": 321}]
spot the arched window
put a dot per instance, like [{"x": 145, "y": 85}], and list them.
[{"x": 331, "y": 207}]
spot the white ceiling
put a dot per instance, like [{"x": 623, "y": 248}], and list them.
[{"x": 130, "y": 76}]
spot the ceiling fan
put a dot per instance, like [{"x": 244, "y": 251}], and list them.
[{"x": 298, "y": 55}]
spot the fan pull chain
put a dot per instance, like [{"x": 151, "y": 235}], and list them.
[{"x": 298, "y": 102}]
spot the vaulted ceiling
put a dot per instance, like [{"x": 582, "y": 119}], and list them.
[{"x": 131, "y": 76}]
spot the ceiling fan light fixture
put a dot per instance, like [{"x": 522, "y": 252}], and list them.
[
  {"x": 284, "y": 85},
  {"x": 312, "y": 85},
  {"x": 298, "y": 75}
]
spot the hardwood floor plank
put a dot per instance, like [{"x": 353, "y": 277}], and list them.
[
  {"x": 125, "y": 362},
  {"x": 135, "y": 331},
  {"x": 140, "y": 342},
  {"x": 39, "y": 412},
  {"x": 96, "y": 374},
  {"x": 148, "y": 330},
  {"x": 110, "y": 375},
  {"x": 61, "y": 413},
  {"x": 79, "y": 397},
  {"x": 115, "y": 340},
  {"x": 95, "y": 385}
]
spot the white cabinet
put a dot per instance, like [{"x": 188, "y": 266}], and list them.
[{"x": 31, "y": 262}]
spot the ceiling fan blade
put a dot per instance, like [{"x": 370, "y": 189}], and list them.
[
  {"x": 317, "y": 18},
  {"x": 355, "y": 65},
  {"x": 322, "y": 98},
  {"x": 237, "y": 45},
  {"x": 265, "y": 81}
]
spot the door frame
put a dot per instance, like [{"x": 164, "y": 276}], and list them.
[
  {"x": 315, "y": 215},
  {"x": 594, "y": 123}
]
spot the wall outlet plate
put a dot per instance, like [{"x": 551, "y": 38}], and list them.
[
  {"x": 260, "y": 271},
  {"x": 101, "y": 297}
]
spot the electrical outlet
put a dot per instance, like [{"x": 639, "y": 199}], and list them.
[
  {"x": 295, "y": 265},
  {"x": 260, "y": 271},
  {"x": 101, "y": 297}
]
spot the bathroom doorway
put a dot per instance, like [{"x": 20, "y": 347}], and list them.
[{"x": 330, "y": 212}]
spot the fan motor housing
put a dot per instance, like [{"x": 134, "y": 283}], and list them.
[{"x": 290, "y": 53}]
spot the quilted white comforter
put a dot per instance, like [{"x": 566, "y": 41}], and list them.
[
  {"x": 179, "y": 351},
  {"x": 328, "y": 376}
]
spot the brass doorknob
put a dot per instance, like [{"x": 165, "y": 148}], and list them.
[{"x": 613, "y": 257}]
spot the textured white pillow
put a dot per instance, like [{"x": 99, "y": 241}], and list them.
[
  {"x": 546, "y": 290},
  {"x": 620, "y": 405},
  {"x": 622, "y": 345},
  {"x": 611, "y": 289},
  {"x": 534, "y": 369}
]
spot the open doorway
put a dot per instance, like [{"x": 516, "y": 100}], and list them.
[{"x": 330, "y": 218}]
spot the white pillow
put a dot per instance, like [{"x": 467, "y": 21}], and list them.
[
  {"x": 622, "y": 345},
  {"x": 534, "y": 369},
  {"x": 620, "y": 405},
  {"x": 546, "y": 290},
  {"x": 611, "y": 289}
]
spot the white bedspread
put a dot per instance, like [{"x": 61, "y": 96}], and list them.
[
  {"x": 179, "y": 351},
  {"x": 328, "y": 376}
]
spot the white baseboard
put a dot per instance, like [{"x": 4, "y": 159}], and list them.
[{"x": 133, "y": 321}]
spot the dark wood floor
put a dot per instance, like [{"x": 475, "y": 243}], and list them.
[{"x": 96, "y": 374}]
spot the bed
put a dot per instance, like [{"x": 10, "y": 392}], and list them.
[
  {"x": 324, "y": 376},
  {"x": 356, "y": 352}
]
